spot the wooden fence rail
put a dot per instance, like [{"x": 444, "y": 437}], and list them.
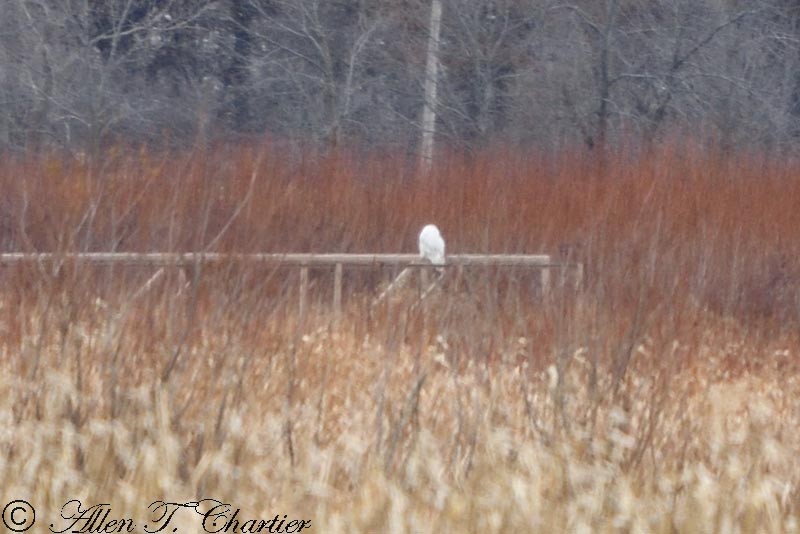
[
  {"x": 300, "y": 260},
  {"x": 305, "y": 261}
]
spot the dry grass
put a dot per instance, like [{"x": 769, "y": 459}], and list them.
[{"x": 662, "y": 397}]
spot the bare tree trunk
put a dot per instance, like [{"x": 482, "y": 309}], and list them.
[
  {"x": 431, "y": 81},
  {"x": 40, "y": 121},
  {"x": 236, "y": 76},
  {"x": 605, "y": 81}
]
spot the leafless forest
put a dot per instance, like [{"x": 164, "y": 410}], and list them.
[
  {"x": 653, "y": 142},
  {"x": 516, "y": 72}
]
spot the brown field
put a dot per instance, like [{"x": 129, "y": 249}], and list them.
[{"x": 662, "y": 396}]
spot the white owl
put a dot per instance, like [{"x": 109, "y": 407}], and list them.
[{"x": 431, "y": 245}]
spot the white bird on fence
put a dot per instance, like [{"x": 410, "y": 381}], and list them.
[
  {"x": 431, "y": 245},
  {"x": 431, "y": 248}
]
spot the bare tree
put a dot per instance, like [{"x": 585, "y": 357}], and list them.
[
  {"x": 487, "y": 48},
  {"x": 541, "y": 72},
  {"x": 312, "y": 61},
  {"x": 83, "y": 64}
]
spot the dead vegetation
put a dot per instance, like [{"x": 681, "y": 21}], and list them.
[{"x": 662, "y": 397}]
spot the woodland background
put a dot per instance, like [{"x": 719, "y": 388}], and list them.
[{"x": 518, "y": 72}]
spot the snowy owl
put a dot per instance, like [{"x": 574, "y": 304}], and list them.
[{"x": 431, "y": 245}]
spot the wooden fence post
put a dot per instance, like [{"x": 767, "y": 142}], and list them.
[
  {"x": 303, "y": 292},
  {"x": 578, "y": 277},
  {"x": 337, "y": 293},
  {"x": 545, "y": 280}
]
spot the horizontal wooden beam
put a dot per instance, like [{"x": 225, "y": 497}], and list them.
[{"x": 291, "y": 259}]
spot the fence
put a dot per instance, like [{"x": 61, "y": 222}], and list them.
[{"x": 304, "y": 261}]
